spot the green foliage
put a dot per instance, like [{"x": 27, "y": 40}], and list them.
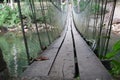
[
  {"x": 95, "y": 8},
  {"x": 50, "y": 14},
  {"x": 83, "y": 5},
  {"x": 26, "y": 11},
  {"x": 4, "y": 45},
  {"x": 115, "y": 68},
  {"x": 29, "y": 16},
  {"x": 9, "y": 17},
  {"x": 7, "y": 43},
  {"x": 115, "y": 50},
  {"x": 78, "y": 78},
  {"x": 75, "y": 2},
  {"x": 111, "y": 55}
]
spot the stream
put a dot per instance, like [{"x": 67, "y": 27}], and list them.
[{"x": 14, "y": 49}]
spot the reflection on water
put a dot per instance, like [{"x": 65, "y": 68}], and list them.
[
  {"x": 12, "y": 43},
  {"x": 14, "y": 49},
  {"x": 15, "y": 59}
]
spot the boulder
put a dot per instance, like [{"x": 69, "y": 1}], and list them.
[{"x": 116, "y": 21}]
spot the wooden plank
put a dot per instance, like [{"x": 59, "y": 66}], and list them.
[
  {"x": 42, "y": 68},
  {"x": 90, "y": 67},
  {"x": 64, "y": 63},
  {"x": 43, "y": 78}
]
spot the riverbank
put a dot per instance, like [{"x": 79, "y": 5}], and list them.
[{"x": 116, "y": 18}]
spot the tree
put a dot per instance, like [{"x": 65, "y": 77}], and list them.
[{"x": 12, "y": 3}]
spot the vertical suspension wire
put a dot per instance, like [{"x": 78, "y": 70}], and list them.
[
  {"x": 96, "y": 50},
  {"x": 62, "y": 13},
  {"x": 96, "y": 18},
  {"x": 103, "y": 37},
  {"x": 104, "y": 10},
  {"x": 94, "y": 2},
  {"x": 100, "y": 30},
  {"x": 87, "y": 24},
  {"x": 110, "y": 26},
  {"x": 97, "y": 24},
  {"x": 44, "y": 18},
  {"x": 94, "y": 25},
  {"x": 97, "y": 15},
  {"x": 32, "y": 7},
  {"x": 55, "y": 29},
  {"x": 24, "y": 36},
  {"x": 45, "y": 22},
  {"x": 91, "y": 4},
  {"x": 51, "y": 30},
  {"x": 88, "y": 20}
]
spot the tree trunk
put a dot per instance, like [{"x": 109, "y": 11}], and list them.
[{"x": 12, "y": 4}]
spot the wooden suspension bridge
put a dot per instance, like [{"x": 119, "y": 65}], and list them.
[{"x": 69, "y": 57}]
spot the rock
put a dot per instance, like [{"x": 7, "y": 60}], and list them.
[
  {"x": 118, "y": 32},
  {"x": 116, "y": 21},
  {"x": 13, "y": 30},
  {"x": 40, "y": 28},
  {"x": 25, "y": 27},
  {"x": 26, "y": 30},
  {"x": 42, "y": 25},
  {"x": 115, "y": 27}
]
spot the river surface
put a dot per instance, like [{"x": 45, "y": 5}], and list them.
[{"x": 14, "y": 49}]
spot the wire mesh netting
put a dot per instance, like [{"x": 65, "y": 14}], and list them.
[
  {"x": 98, "y": 23},
  {"x": 28, "y": 27},
  {"x": 93, "y": 19},
  {"x": 42, "y": 22}
]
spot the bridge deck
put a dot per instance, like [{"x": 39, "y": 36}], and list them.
[{"x": 63, "y": 55}]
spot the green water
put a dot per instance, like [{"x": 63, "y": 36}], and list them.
[{"x": 14, "y": 50}]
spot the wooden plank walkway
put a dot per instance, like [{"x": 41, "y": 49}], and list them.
[
  {"x": 90, "y": 67},
  {"x": 64, "y": 63},
  {"x": 43, "y": 78},
  {"x": 63, "y": 55}
]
